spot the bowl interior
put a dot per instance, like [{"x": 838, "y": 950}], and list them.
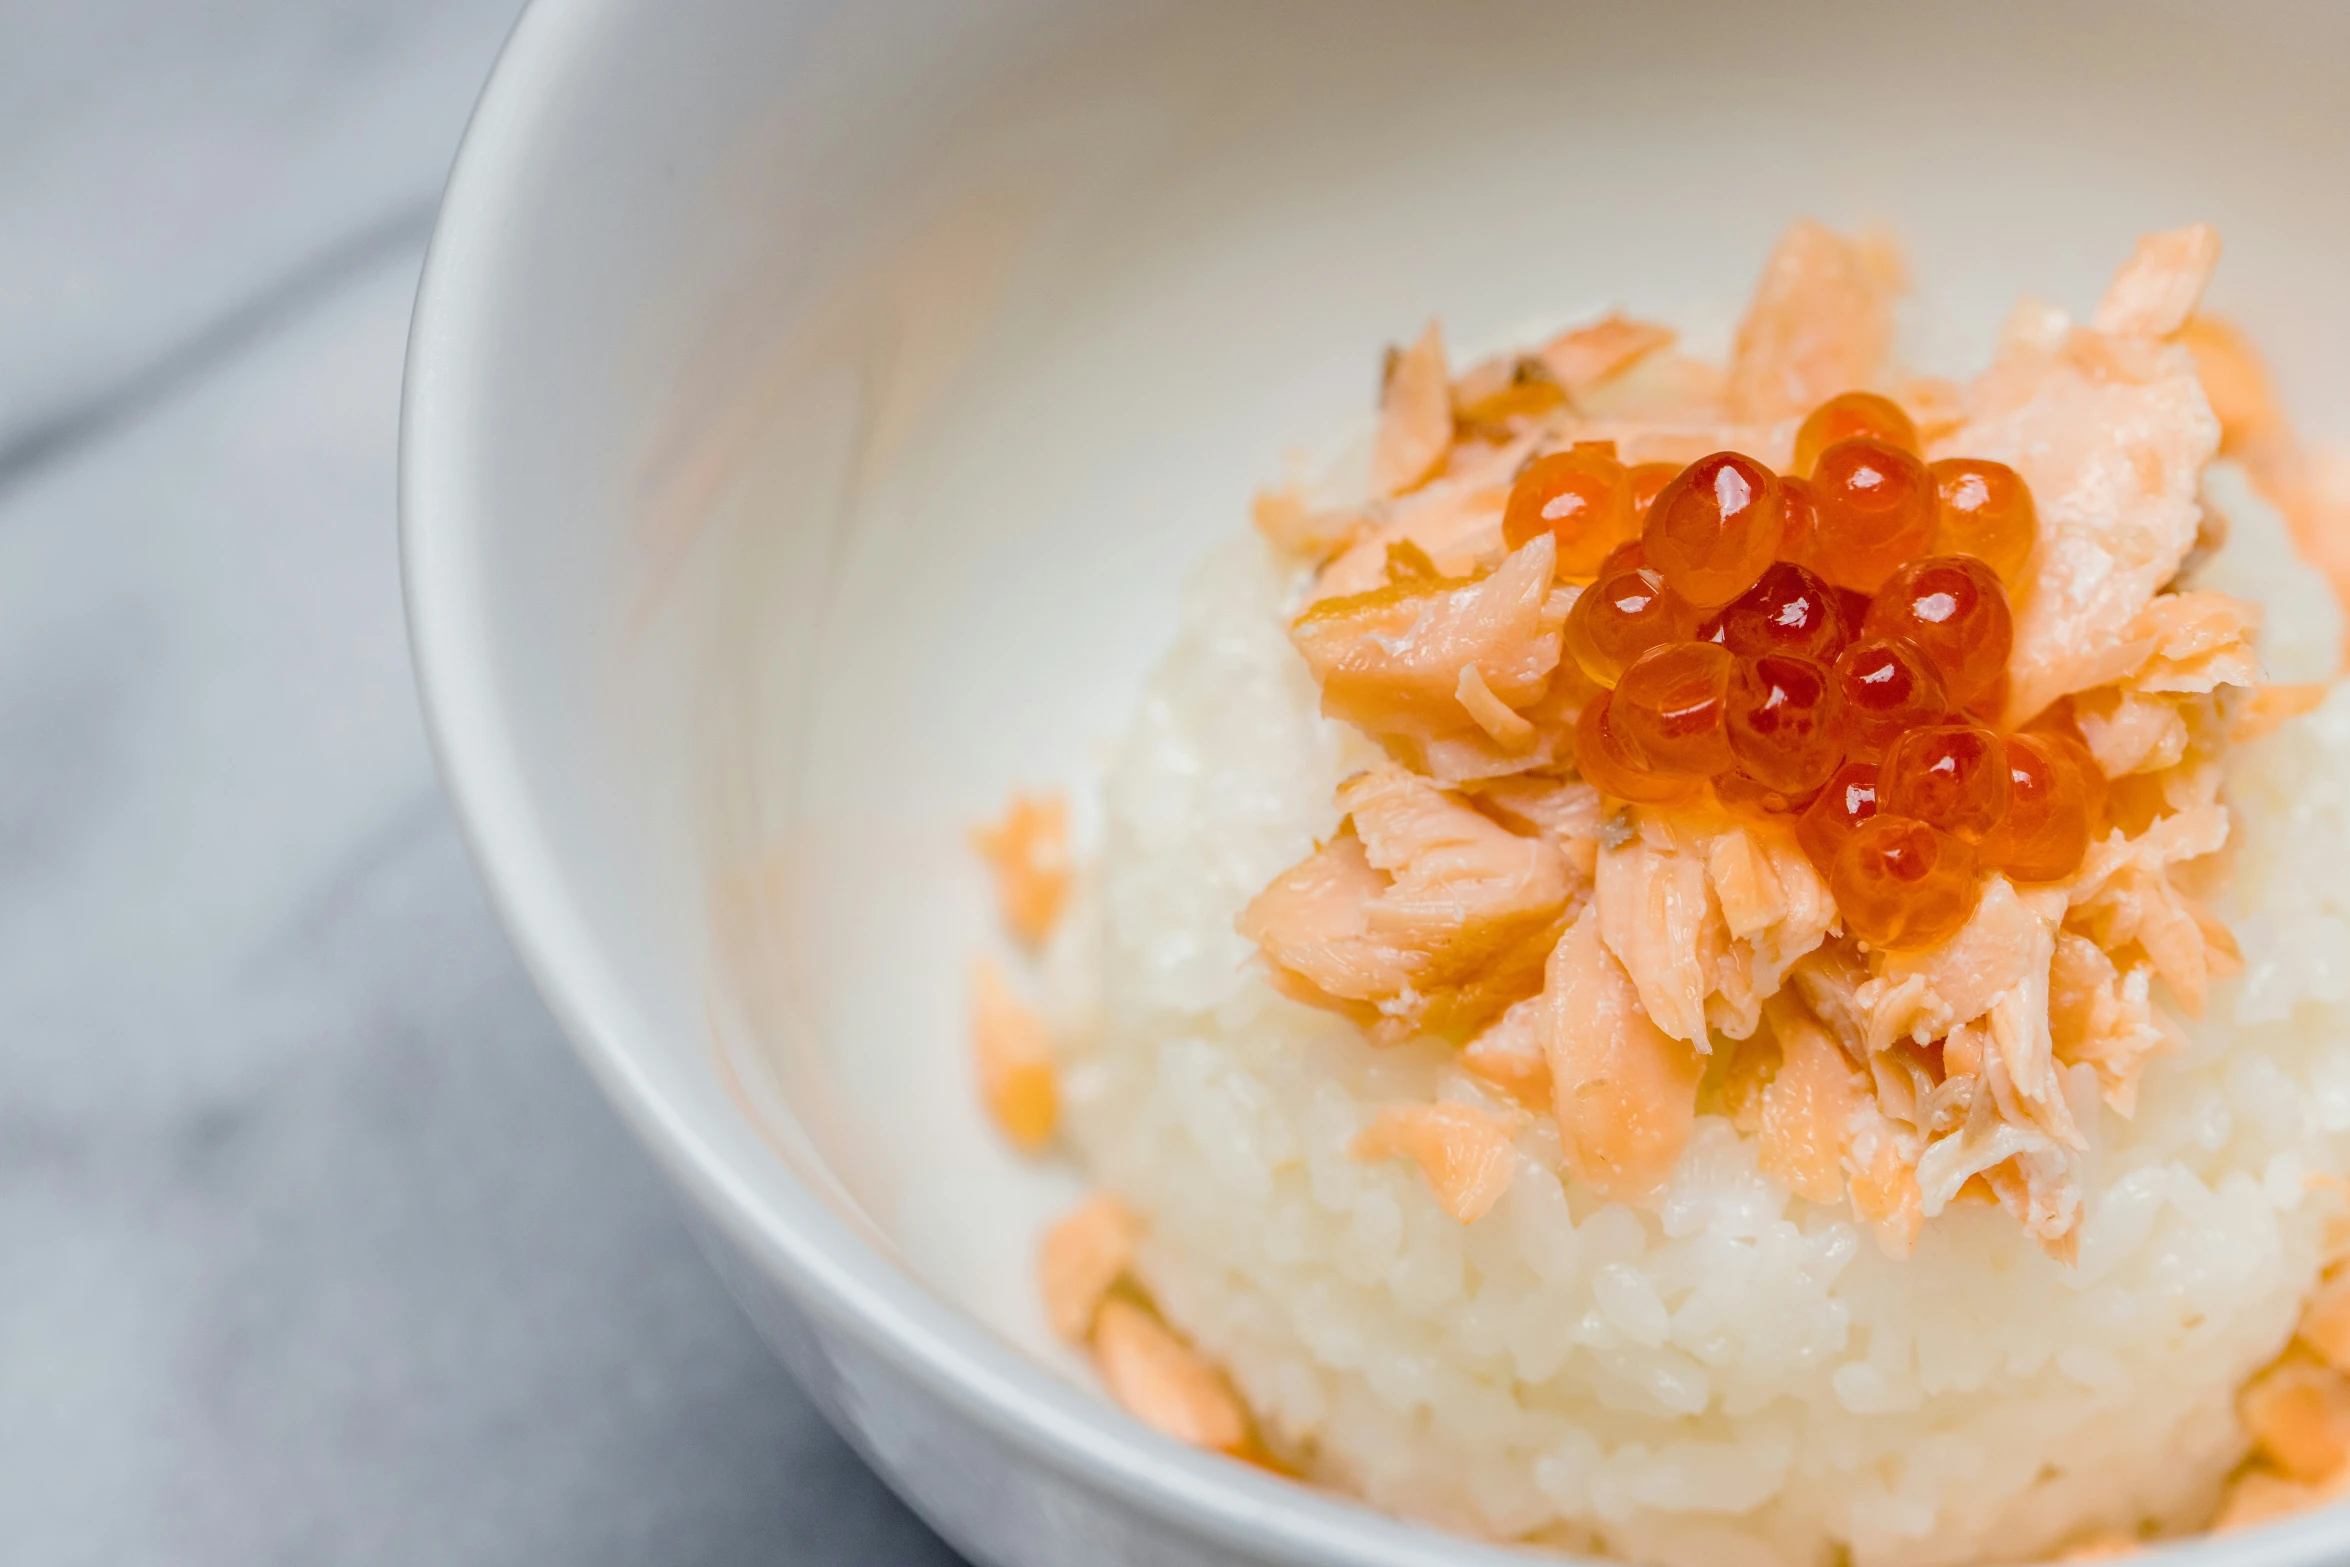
[{"x": 849, "y": 390}]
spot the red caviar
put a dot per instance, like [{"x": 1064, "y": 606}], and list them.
[
  {"x": 1953, "y": 609},
  {"x": 1620, "y": 616},
  {"x": 2051, "y": 813},
  {"x": 1790, "y": 610},
  {"x": 1951, "y": 776},
  {"x": 1781, "y": 719},
  {"x": 1985, "y": 509},
  {"x": 1714, "y": 528},
  {"x": 1581, "y": 498},
  {"x": 1791, "y": 640},
  {"x": 1899, "y": 882},
  {"x": 1668, "y": 708},
  {"x": 1887, "y": 687},
  {"x": 1877, "y": 511},
  {"x": 1648, "y": 480},
  {"x": 1846, "y": 415},
  {"x": 1610, "y": 767},
  {"x": 1849, "y": 799}
]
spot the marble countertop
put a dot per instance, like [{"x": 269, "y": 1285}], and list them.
[{"x": 315, "y": 1243}]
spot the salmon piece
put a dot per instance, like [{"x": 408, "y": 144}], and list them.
[
  {"x": 1390, "y": 660},
  {"x": 1583, "y": 358},
  {"x": 1708, "y": 919},
  {"x": 1501, "y": 724},
  {"x": 2325, "y": 1321},
  {"x": 1807, "y": 1108},
  {"x": 1164, "y": 1382},
  {"x": 1510, "y": 1055},
  {"x": 1082, "y": 1257},
  {"x": 1015, "y": 1055},
  {"x": 1657, "y": 916},
  {"x": 2298, "y": 1413},
  {"x": 2129, "y": 733},
  {"x": 2103, "y": 1548},
  {"x": 1624, "y": 1092},
  {"x": 1455, "y": 519},
  {"x": 2158, "y": 288},
  {"x": 1029, "y": 851},
  {"x": 2272, "y": 705},
  {"x": 1566, "y": 811},
  {"x": 2260, "y": 1496},
  {"x": 2311, "y": 489},
  {"x": 2103, "y": 1018},
  {"x": 2236, "y": 380},
  {"x": 1922, "y": 995},
  {"x": 1501, "y": 398},
  {"x": 1884, "y": 1186},
  {"x": 2198, "y": 641},
  {"x": 2112, "y": 434},
  {"x": 1820, "y": 323},
  {"x": 1428, "y": 911},
  {"x": 1464, "y": 1154},
  {"x": 1415, "y": 416},
  {"x": 1291, "y": 526},
  {"x": 2175, "y": 931}
]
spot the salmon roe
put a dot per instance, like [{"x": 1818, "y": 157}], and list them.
[
  {"x": 1836, "y": 812},
  {"x": 1887, "y": 688},
  {"x": 2050, "y": 814},
  {"x": 1581, "y": 498},
  {"x": 1781, "y": 721},
  {"x": 1951, "y": 776},
  {"x": 1953, "y": 610},
  {"x": 1623, "y": 614},
  {"x": 1609, "y": 766},
  {"x": 1799, "y": 534},
  {"x": 1668, "y": 708},
  {"x": 1648, "y": 481},
  {"x": 1790, "y": 610},
  {"x": 1877, "y": 510},
  {"x": 1899, "y": 882},
  {"x": 1816, "y": 644},
  {"x": 1714, "y": 528},
  {"x": 1984, "y": 509},
  {"x": 1846, "y": 415}
]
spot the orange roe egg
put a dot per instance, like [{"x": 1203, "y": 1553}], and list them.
[
  {"x": 1849, "y": 799},
  {"x": 1877, "y": 511},
  {"x": 1609, "y": 766},
  {"x": 1953, "y": 609},
  {"x": 1580, "y": 498},
  {"x": 1624, "y": 557},
  {"x": 2050, "y": 815},
  {"x": 1714, "y": 528},
  {"x": 1799, "y": 534},
  {"x": 1781, "y": 720},
  {"x": 1850, "y": 414},
  {"x": 1622, "y": 615},
  {"x": 1648, "y": 480},
  {"x": 1668, "y": 708},
  {"x": 1951, "y": 776},
  {"x": 1899, "y": 882},
  {"x": 1985, "y": 510},
  {"x": 1790, "y": 610},
  {"x": 1887, "y": 688}
]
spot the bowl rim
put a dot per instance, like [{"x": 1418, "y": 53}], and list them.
[{"x": 829, "y": 1270}]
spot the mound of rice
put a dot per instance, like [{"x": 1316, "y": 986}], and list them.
[{"x": 1729, "y": 1375}]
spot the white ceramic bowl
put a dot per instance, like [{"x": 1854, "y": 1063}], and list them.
[{"x": 813, "y": 408}]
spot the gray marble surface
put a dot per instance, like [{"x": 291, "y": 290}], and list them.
[{"x": 315, "y": 1244}]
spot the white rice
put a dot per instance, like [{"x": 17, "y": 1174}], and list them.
[{"x": 1733, "y": 1375}]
